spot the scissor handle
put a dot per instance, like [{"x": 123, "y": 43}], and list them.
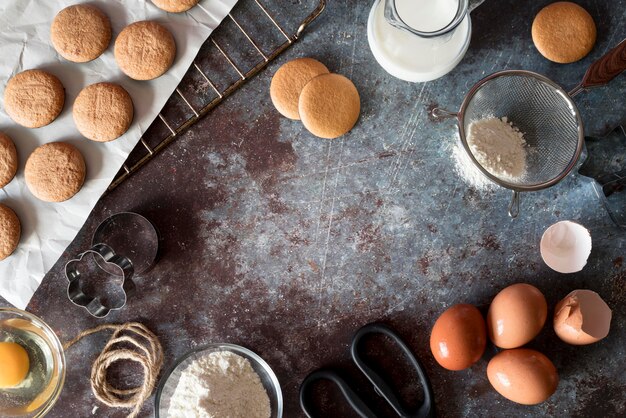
[
  {"x": 353, "y": 399},
  {"x": 426, "y": 408}
]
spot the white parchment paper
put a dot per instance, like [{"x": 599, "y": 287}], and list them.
[{"x": 48, "y": 228}]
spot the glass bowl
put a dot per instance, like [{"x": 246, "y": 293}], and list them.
[
  {"x": 170, "y": 379},
  {"x": 36, "y": 395}
]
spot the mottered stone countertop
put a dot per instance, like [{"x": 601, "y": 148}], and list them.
[{"x": 286, "y": 244}]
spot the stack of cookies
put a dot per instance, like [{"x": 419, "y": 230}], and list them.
[
  {"x": 102, "y": 112},
  {"x": 327, "y": 104}
]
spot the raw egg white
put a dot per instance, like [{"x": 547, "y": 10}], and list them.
[
  {"x": 565, "y": 247},
  {"x": 582, "y": 317},
  {"x": 516, "y": 315},
  {"x": 14, "y": 364},
  {"x": 522, "y": 375},
  {"x": 458, "y": 337}
]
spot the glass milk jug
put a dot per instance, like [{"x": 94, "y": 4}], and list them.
[{"x": 420, "y": 40}]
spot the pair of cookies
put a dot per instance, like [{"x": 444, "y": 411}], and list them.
[
  {"x": 328, "y": 104},
  {"x": 143, "y": 50},
  {"x": 102, "y": 111},
  {"x": 54, "y": 172},
  {"x": 564, "y": 32}
]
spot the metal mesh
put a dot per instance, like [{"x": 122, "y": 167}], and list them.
[{"x": 539, "y": 109}]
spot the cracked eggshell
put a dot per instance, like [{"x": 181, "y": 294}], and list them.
[
  {"x": 582, "y": 318},
  {"x": 565, "y": 246}
]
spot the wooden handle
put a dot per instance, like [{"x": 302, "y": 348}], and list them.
[{"x": 606, "y": 68}]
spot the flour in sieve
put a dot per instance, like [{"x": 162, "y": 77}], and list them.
[
  {"x": 499, "y": 147},
  {"x": 219, "y": 385}
]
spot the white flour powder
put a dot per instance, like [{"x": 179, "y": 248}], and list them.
[
  {"x": 498, "y": 146},
  {"x": 468, "y": 171},
  {"x": 220, "y": 385}
]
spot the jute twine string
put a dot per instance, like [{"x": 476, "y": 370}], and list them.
[{"x": 149, "y": 356}]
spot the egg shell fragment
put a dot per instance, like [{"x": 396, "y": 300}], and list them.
[
  {"x": 582, "y": 317},
  {"x": 565, "y": 246},
  {"x": 516, "y": 315},
  {"x": 522, "y": 375},
  {"x": 458, "y": 337}
]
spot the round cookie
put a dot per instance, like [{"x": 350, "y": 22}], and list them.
[
  {"x": 103, "y": 112},
  {"x": 8, "y": 160},
  {"x": 564, "y": 32},
  {"x": 329, "y": 105},
  {"x": 55, "y": 172},
  {"x": 80, "y": 33},
  {"x": 289, "y": 81},
  {"x": 175, "y": 6},
  {"x": 34, "y": 98},
  {"x": 10, "y": 231},
  {"x": 145, "y": 50}
]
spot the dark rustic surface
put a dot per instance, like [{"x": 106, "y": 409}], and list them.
[{"x": 287, "y": 244}]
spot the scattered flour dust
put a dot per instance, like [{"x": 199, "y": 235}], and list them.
[
  {"x": 219, "y": 385},
  {"x": 499, "y": 147},
  {"x": 468, "y": 171}
]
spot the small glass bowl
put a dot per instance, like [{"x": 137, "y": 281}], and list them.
[
  {"x": 170, "y": 379},
  {"x": 46, "y": 376}
]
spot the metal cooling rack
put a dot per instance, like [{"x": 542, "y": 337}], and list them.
[{"x": 257, "y": 23}]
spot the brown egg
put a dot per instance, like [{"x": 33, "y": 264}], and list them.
[
  {"x": 458, "y": 337},
  {"x": 516, "y": 315},
  {"x": 522, "y": 375}
]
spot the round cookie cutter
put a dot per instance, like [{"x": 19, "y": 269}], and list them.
[{"x": 131, "y": 235}]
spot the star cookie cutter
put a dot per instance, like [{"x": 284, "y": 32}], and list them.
[{"x": 104, "y": 254}]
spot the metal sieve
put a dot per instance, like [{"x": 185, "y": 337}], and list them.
[{"x": 543, "y": 111}]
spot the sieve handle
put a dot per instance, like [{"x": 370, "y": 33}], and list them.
[
  {"x": 514, "y": 205},
  {"x": 609, "y": 66},
  {"x": 439, "y": 113}
]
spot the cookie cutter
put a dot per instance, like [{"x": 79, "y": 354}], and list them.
[
  {"x": 107, "y": 256},
  {"x": 604, "y": 164},
  {"x": 132, "y": 235},
  {"x": 123, "y": 245}
]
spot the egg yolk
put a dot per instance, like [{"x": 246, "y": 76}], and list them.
[{"x": 14, "y": 364}]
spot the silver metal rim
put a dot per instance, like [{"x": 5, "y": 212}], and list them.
[
  {"x": 581, "y": 136},
  {"x": 237, "y": 349}
]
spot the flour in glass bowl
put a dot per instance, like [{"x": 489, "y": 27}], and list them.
[
  {"x": 499, "y": 147},
  {"x": 219, "y": 385}
]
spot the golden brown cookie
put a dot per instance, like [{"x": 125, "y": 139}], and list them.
[
  {"x": 564, "y": 32},
  {"x": 34, "y": 98},
  {"x": 10, "y": 231},
  {"x": 145, "y": 50},
  {"x": 289, "y": 81},
  {"x": 103, "y": 112},
  {"x": 80, "y": 33},
  {"x": 329, "y": 105},
  {"x": 55, "y": 172},
  {"x": 8, "y": 160},
  {"x": 175, "y": 6}
]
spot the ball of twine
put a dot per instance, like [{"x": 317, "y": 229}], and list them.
[{"x": 149, "y": 356}]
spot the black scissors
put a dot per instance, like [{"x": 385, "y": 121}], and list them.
[{"x": 424, "y": 410}]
